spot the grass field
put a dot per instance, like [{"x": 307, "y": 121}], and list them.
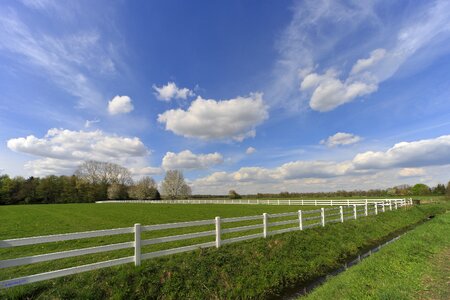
[
  {"x": 417, "y": 266},
  {"x": 253, "y": 269},
  {"x": 35, "y": 220}
]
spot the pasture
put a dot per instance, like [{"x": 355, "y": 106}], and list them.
[
  {"x": 37, "y": 220},
  {"x": 253, "y": 269},
  {"x": 22, "y": 221}
]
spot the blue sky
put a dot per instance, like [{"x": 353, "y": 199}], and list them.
[{"x": 256, "y": 96}]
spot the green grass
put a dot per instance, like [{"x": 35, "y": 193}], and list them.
[
  {"x": 254, "y": 269},
  {"x": 34, "y": 220},
  {"x": 30, "y": 220},
  {"x": 414, "y": 267}
]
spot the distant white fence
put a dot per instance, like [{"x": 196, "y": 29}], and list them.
[
  {"x": 331, "y": 202},
  {"x": 303, "y": 219}
]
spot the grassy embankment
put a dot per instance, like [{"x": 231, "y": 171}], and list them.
[
  {"x": 417, "y": 266},
  {"x": 253, "y": 269}
]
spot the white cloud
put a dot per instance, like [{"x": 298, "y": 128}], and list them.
[
  {"x": 250, "y": 150},
  {"x": 171, "y": 91},
  {"x": 411, "y": 172},
  {"x": 62, "y": 150},
  {"x": 188, "y": 160},
  {"x": 66, "y": 60},
  {"x": 146, "y": 171},
  {"x": 89, "y": 123},
  {"x": 211, "y": 119},
  {"x": 431, "y": 152},
  {"x": 314, "y": 39},
  {"x": 364, "y": 63},
  {"x": 341, "y": 139},
  {"x": 120, "y": 105},
  {"x": 366, "y": 171},
  {"x": 329, "y": 92}
]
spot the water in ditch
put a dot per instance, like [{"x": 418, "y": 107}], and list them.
[{"x": 305, "y": 288}]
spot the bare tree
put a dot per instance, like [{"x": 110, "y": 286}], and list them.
[
  {"x": 98, "y": 172},
  {"x": 174, "y": 185},
  {"x": 145, "y": 188}
]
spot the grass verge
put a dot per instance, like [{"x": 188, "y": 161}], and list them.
[
  {"x": 255, "y": 269},
  {"x": 414, "y": 267}
]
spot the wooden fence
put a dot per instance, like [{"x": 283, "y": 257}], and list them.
[
  {"x": 300, "y": 220},
  {"x": 331, "y": 202}
]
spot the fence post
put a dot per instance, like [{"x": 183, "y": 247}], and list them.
[
  {"x": 355, "y": 213},
  {"x": 257, "y": 201},
  {"x": 303, "y": 202},
  {"x": 341, "y": 210},
  {"x": 278, "y": 201},
  {"x": 396, "y": 205},
  {"x": 331, "y": 202},
  {"x": 289, "y": 201},
  {"x": 390, "y": 205},
  {"x": 366, "y": 212},
  {"x": 218, "y": 238},
  {"x": 265, "y": 225},
  {"x": 322, "y": 213},
  {"x": 300, "y": 219},
  {"x": 348, "y": 202},
  {"x": 315, "y": 202},
  {"x": 384, "y": 207},
  {"x": 137, "y": 244},
  {"x": 376, "y": 208}
]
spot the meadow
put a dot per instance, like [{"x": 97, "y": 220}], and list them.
[
  {"x": 254, "y": 269},
  {"x": 414, "y": 267}
]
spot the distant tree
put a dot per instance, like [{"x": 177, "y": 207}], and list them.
[
  {"x": 117, "y": 191},
  {"x": 145, "y": 188},
  {"x": 232, "y": 194},
  {"x": 447, "y": 190},
  {"x": 98, "y": 172},
  {"x": 420, "y": 189},
  {"x": 5, "y": 189},
  {"x": 174, "y": 186},
  {"x": 439, "y": 189}
]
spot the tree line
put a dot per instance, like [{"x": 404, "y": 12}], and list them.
[
  {"x": 97, "y": 181},
  {"x": 92, "y": 181}
]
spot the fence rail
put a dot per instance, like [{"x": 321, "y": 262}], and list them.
[
  {"x": 302, "y": 221},
  {"x": 330, "y": 202}
]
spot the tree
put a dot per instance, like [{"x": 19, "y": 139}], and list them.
[
  {"x": 117, "y": 191},
  {"x": 233, "y": 195},
  {"x": 420, "y": 189},
  {"x": 447, "y": 190},
  {"x": 145, "y": 188},
  {"x": 174, "y": 186},
  {"x": 439, "y": 189},
  {"x": 98, "y": 172}
]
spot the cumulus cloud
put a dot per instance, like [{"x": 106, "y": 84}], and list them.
[
  {"x": 188, "y": 160},
  {"x": 62, "y": 150},
  {"x": 411, "y": 172},
  {"x": 341, "y": 139},
  {"x": 250, "y": 150},
  {"x": 319, "y": 28},
  {"x": 365, "y": 63},
  {"x": 210, "y": 119},
  {"x": 120, "y": 105},
  {"x": 171, "y": 91},
  {"x": 430, "y": 152},
  {"x": 329, "y": 92}
]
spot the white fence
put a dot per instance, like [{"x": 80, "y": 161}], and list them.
[
  {"x": 331, "y": 202},
  {"x": 302, "y": 219}
]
